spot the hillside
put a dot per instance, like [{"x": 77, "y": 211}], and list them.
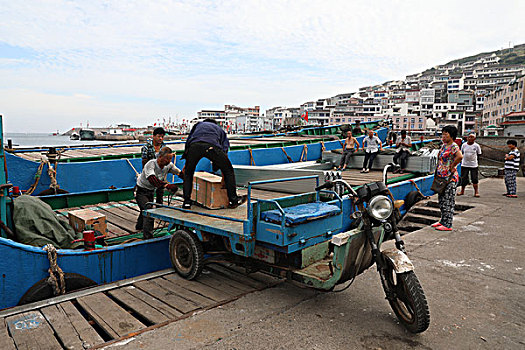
[{"x": 515, "y": 55}]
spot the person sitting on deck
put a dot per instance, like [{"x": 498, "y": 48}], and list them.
[
  {"x": 349, "y": 147},
  {"x": 357, "y": 128},
  {"x": 153, "y": 177},
  {"x": 372, "y": 145},
  {"x": 150, "y": 151},
  {"x": 403, "y": 145},
  {"x": 207, "y": 139}
]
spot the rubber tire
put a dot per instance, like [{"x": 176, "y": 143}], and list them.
[
  {"x": 42, "y": 290},
  {"x": 188, "y": 266},
  {"x": 419, "y": 313}
]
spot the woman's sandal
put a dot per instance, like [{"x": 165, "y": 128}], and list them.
[{"x": 443, "y": 228}]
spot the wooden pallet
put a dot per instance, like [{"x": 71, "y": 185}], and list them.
[{"x": 106, "y": 313}]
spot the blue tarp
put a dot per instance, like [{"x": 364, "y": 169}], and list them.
[{"x": 301, "y": 213}]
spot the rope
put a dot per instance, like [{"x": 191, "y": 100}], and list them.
[
  {"x": 37, "y": 179},
  {"x": 304, "y": 154},
  {"x": 323, "y": 148},
  {"x": 58, "y": 287},
  {"x": 417, "y": 188},
  {"x": 132, "y": 167},
  {"x": 290, "y": 160},
  {"x": 252, "y": 161}
]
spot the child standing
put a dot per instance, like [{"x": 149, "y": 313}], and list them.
[{"x": 512, "y": 164}]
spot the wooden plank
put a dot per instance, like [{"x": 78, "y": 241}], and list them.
[
  {"x": 86, "y": 332},
  {"x": 164, "y": 308},
  {"x": 131, "y": 205},
  {"x": 236, "y": 276},
  {"x": 120, "y": 222},
  {"x": 259, "y": 276},
  {"x": 240, "y": 287},
  {"x": 128, "y": 211},
  {"x": 166, "y": 296},
  {"x": 65, "y": 327},
  {"x": 114, "y": 320},
  {"x": 148, "y": 312},
  {"x": 123, "y": 214},
  {"x": 5, "y": 340},
  {"x": 198, "y": 287},
  {"x": 30, "y": 331},
  {"x": 196, "y": 298},
  {"x": 219, "y": 284}
]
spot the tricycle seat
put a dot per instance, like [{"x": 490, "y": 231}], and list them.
[{"x": 301, "y": 213}]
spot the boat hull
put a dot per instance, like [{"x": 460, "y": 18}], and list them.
[{"x": 22, "y": 265}]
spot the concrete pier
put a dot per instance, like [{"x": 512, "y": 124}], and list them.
[{"x": 473, "y": 278}]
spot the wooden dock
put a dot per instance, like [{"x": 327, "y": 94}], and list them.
[{"x": 95, "y": 316}]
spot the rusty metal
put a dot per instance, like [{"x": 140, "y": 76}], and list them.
[{"x": 399, "y": 259}]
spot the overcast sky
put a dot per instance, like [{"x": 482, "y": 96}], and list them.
[{"x": 63, "y": 63}]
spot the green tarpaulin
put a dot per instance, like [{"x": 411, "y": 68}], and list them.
[{"x": 36, "y": 224}]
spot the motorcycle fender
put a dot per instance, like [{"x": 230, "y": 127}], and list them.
[{"x": 399, "y": 259}]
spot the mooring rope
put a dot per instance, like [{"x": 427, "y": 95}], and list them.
[
  {"x": 137, "y": 174},
  {"x": 59, "y": 285},
  {"x": 252, "y": 161},
  {"x": 290, "y": 160},
  {"x": 304, "y": 154}
]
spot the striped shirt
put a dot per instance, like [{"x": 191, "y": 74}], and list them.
[{"x": 515, "y": 162}]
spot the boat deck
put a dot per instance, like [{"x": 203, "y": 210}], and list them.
[
  {"x": 122, "y": 216},
  {"x": 102, "y": 314},
  {"x": 108, "y": 151}
]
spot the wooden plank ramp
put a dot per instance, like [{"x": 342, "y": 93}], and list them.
[{"x": 101, "y": 315}]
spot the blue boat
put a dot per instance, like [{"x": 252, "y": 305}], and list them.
[{"x": 24, "y": 268}]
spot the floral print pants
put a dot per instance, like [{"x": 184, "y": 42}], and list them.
[{"x": 447, "y": 201}]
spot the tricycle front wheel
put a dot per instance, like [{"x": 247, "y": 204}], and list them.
[
  {"x": 186, "y": 254},
  {"x": 407, "y": 299}
]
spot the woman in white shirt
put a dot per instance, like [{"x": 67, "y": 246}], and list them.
[{"x": 372, "y": 145}]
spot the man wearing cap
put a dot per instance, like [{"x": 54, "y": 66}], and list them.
[{"x": 150, "y": 151}]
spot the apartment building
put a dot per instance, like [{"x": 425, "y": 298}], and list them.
[
  {"x": 504, "y": 100},
  {"x": 409, "y": 123},
  {"x": 282, "y": 116}
]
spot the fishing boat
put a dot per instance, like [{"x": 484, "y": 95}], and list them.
[{"x": 25, "y": 268}]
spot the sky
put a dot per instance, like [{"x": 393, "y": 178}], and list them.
[{"x": 63, "y": 63}]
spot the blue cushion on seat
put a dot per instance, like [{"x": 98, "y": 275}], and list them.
[{"x": 301, "y": 213}]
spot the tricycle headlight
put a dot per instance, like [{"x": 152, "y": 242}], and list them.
[{"x": 380, "y": 207}]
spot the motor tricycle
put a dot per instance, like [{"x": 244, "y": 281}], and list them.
[{"x": 322, "y": 239}]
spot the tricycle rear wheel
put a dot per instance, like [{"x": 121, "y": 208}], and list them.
[
  {"x": 407, "y": 299},
  {"x": 186, "y": 254}
]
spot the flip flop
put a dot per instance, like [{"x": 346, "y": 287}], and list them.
[
  {"x": 443, "y": 228},
  {"x": 436, "y": 224},
  {"x": 512, "y": 196},
  {"x": 460, "y": 194}
]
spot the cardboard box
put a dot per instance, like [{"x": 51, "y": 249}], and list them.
[
  {"x": 78, "y": 219},
  {"x": 208, "y": 191}
]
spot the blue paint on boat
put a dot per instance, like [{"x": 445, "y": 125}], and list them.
[{"x": 22, "y": 265}]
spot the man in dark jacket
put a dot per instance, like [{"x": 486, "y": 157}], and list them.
[{"x": 207, "y": 139}]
